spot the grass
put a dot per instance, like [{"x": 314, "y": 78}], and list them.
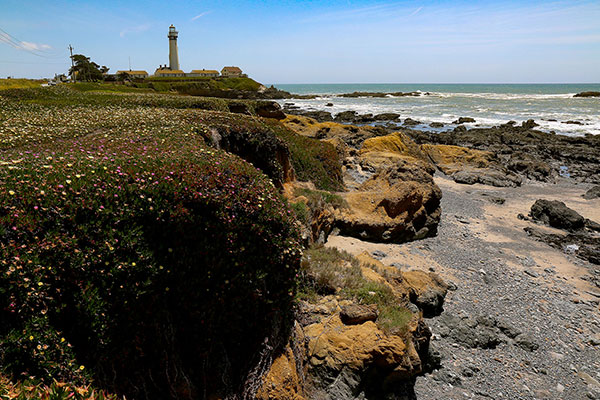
[
  {"x": 313, "y": 160},
  {"x": 20, "y": 83},
  {"x": 316, "y": 198},
  {"x": 327, "y": 270}
]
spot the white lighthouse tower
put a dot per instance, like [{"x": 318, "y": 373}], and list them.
[{"x": 173, "y": 56}]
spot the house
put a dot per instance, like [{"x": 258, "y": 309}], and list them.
[
  {"x": 169, "y": 73},
  {"x": 231, "y": 72},
  {"x": 203, "y": 73},
  {"x": 134, "y": 74}
]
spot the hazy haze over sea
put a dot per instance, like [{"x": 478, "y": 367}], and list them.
[{"x": 488, "y": 104}]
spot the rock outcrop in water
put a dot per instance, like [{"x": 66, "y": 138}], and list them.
[{"x": 587, "y": 94}]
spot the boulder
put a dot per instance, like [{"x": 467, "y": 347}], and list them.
[
  {"x": 411, "y": 122},
  {"x": 269, "y": 109},
  {"x": 426, "y": 290},
  {"x": 354, "y": 314},
  {"x": 346, "y": 116},
  {"x": 348, "y": 361},
  {"x": 529, "y": 124},
  {"x": 436, "y": 125},
  {"x": 557, "y": 214},
  {"x": 592, "y": 193},
  {"x": 463, "y": 120},
  {"x": 587, "y": 94},
  {"x": 387, "y": 117}
]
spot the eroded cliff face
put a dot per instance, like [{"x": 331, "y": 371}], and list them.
[{"x": 341, "y": 349}]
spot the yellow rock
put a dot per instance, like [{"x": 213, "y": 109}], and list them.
[
  {"x": 336, "y": 346},
  {"x": 451, "y": 159}
]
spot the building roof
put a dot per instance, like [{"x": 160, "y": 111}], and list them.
[
  {"x": 204, "y": 71},
  {"x": 169, "y": 71},
  {"x": 132, "y": 72},
  {"x": 231, "y": 69}
]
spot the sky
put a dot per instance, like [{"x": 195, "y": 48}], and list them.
[{"x": 285, "y": 41}]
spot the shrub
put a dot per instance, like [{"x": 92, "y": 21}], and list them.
[
  {"x": 327, "y": 270},
  {"x": 316, "y": 198},
  {"x": 143, "y": 260},
  {"x": 313, "y": 160}
]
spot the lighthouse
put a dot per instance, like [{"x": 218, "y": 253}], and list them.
[{"x": 173, "y": 56}]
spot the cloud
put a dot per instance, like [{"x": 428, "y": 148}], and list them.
[
  {"x": 36, "y": 46},
  {"x": 135, "y": 29},
  {"x": 28, "y": 46},
  {"x": 202, "y": 14}
]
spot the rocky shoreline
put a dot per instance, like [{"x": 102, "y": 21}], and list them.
[{"x": 521, "y": 315}]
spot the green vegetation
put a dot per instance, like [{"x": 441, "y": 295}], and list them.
[
  {"x": 85, "y": 69},
  {"x": 32, "y": 389},
  {"x": 313, "y": 160},
  {"x": 326, "y": 270},
  {"x": 130, "y": 251},
  {"x": 316, "y": 198},
  {"x": 20, "y": 83}
]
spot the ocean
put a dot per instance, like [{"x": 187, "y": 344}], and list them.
[{"x": 550, "y": 105}]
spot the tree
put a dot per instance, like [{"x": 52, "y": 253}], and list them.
[{"x": 85, "y": 69}]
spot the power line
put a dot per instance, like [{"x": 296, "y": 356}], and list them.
[
  {"x": 20, "y": 45},
  {"x": 23, "y": 62}
]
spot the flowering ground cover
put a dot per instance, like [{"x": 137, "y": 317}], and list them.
[{"x": 131, "y": 253}]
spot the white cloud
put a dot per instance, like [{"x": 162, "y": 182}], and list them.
[
  {"x": 202, "y": 14},
  {"x": 28, "y": 46},
  {"x": 35, "y": 46},
  {"x": 135, "y": 29}
]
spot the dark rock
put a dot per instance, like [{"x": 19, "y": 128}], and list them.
[
  {"x": 321, "y": 116},
  {"x": 522, "y": 217},
  {"x": 592, "y": 225},
  {"x": 387, "y": 117},
  {"x": 355, "y": 314},
  {"x": 365, "y": 118},
  {"x": 487, "y": 177},
  {"x": 526, "y": 342},
  {"x": 448, "y": 376},
  {"x": 269, "y": 109},
  {"x": 593, "y": 193},
  {"x": 587, "y": 94},
  {"x": 460, "y": 128},
  {"x": 529, "y": 124},
  {"x": 557, "y": 214},
  {"x": 436, "y": 125},
  {"x": 411, "y": 122},
  {"x": 508, "y": 329},
  {"x": 346, "y": 116},
  {"x": 378, "y": 254},
  {"x": 464, "y": 120},
  {"x": 573, "y": 122},
  {"x": 531, "y": 273},
  {"x": 582, "y": 244},
  {"x": 480, "y": 332},
  {"x": 329, "y": 105}
]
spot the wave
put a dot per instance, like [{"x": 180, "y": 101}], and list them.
[{"x": 506, "y": 96}]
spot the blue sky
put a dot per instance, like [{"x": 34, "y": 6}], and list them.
[{"x": 314, "y": 41}]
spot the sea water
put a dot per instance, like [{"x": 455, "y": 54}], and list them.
[{"x": 550, "y": 105}]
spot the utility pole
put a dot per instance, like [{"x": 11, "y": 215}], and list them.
[
  {"x": 73, "y": 75},
  {"x": 130, "y": 63}
]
